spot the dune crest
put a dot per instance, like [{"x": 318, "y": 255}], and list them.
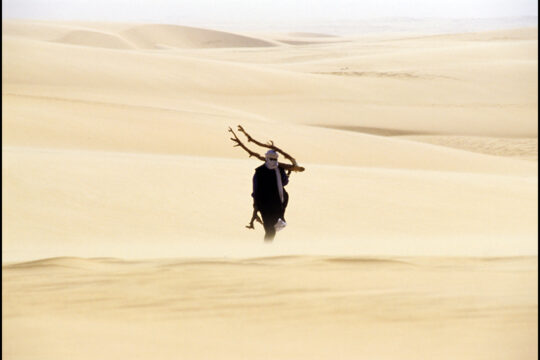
[
  {"x": 95, "y": 39},
  {"x": 152, "y": 36},
  {"x": 130, "y": 36}
]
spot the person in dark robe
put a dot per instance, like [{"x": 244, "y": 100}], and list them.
[{"x": 269, "y": 195}]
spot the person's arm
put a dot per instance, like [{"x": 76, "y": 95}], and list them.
[{"x": 284, "y": 177}]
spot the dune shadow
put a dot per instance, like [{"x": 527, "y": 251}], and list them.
[
  {"x": 361, "y": 260},
  {"x": 375, "y": 130}
]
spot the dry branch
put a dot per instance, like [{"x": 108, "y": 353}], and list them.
[{"x": 270, "y": 145}]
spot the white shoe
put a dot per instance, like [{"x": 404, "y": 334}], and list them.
[{"x": 280, "y": 225}]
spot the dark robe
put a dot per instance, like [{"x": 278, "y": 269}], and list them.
[{"x": 266, "y": 197}]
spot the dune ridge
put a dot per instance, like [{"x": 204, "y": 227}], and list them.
[
  {"x": 129, "y": 36},
  {"x": 151, "y": 36},
  {"x": 96, "y": 39},
  {"x": 271, "y": 260}
]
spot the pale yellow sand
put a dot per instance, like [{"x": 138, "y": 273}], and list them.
[
  {"x": 421, "y": 168},
  {"x": 297, "y": 307},
  {"x": 521, "y": 148}
]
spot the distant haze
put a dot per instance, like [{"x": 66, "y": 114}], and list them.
[
  {"x": 264, "y": 13},
  {"x": 338, "y": 17}
]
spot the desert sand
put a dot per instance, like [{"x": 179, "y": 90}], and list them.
[{"x": 412, "y": 234}]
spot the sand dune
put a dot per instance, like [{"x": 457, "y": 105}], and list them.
[
  {"x": 54, "y": 194},
  {"x": 141, "y": 36},
  {"x": 241, "y": 306},
  {"x": 522, "y": 148},
  {"x": 124, "y": 202},
  {"x": 443, "y": 88},
  {"x": 152, "y": 36},
  {"x": 95, "y": 38},
  {"x": 69, "y": 124},
  {"x": 36, "y": 30}
]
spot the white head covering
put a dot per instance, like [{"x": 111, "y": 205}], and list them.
[
  {"x": 273, "y": 165},
  {"x": 271, "y": 154}
]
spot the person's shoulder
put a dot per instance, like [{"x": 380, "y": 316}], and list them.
[{"x": 260, "y": 168}]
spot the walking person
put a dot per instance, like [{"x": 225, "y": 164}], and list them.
[{"x": 269, "y": 194}]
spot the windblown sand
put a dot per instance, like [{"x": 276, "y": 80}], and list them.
[{"x": 412, "y": 233}]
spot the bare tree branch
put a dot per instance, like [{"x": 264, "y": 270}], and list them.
[
  {"x": 239, "y": 143},
  {"x": 270, "y": 145}
]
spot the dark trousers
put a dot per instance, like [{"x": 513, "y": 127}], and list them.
[
  {"x": 270, "y": 217},
  {"x": 269, "y": 220}
]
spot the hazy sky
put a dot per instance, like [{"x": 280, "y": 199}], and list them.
[{"x": 237, "y": 11}]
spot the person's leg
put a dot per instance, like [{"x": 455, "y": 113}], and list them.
[{"x": 269, "y": 220}]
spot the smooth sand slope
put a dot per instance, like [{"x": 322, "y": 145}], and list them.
[{"x": 413, "y": 228}]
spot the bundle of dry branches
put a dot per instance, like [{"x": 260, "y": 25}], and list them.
[{"x": 270, "y": 145}]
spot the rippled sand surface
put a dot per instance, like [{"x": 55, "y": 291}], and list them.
[{"x": 293, "y": 307}]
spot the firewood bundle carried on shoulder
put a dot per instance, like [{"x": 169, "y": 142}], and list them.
[{"x": 270, "y": 198}]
